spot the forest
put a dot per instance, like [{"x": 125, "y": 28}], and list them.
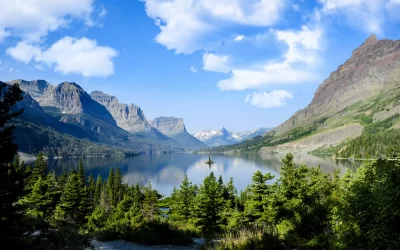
[{"x": 302, "y": 209}]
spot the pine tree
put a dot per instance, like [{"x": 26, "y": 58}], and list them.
[
  {"x": 9, "y": 191},
  {"x": 74, "y": 203},
  {"x": 82, "y": 177},
  {"x": 256, "y": 201},
  {"x": 97, "y": 191},
  {"x": 41, "y": 201},
  {"x": 91, "y": 189},
  {"x": 182, "y": 201},
  {"x": 150, "y": 199},
  {"x": 118, "y": 186},
  {"x": 206, "y": 213},
  {"x": 111, "y": 187},
  {"x": 40, "y": 169}
]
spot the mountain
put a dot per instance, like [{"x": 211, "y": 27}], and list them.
[
  {"x": 64, "y": 113},
  {"x": 215, "y": 138},
  {"x": 175, "y": 129},
  {"x": 355, "y": 109},
  {"x": 128, "y": 117}
]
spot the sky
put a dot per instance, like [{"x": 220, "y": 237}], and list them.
[{"x": 241, "y": 64}]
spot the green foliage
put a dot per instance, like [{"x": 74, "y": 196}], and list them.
[
  {"x": 73, "y": 206},
  {"x": 11, "y": 179}
]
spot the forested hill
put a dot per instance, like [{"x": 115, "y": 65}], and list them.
[{"x": 354, "y": 112}]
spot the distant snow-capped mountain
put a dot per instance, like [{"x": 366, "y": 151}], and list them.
[{"x": 215, "y": 138}]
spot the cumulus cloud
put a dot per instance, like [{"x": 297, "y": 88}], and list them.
[
  {"x": 69, "y": 55},
  {"x": 215, "y": 63},
  {"x": 276, "y": 98},
  {"x": 393, "y": 7},
  {"x": 23, "y": 52},
  {"x": 193, "y": 69},
  {"x": 31, "y": 20},
  {"x": 303, "y": 49},
  {"x": 184, "y": 24},
  {"x": 239, "y": 38},
  {"x": 367, "y": 14}
]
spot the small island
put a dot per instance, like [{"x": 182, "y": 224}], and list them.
[{"x": 209, "y": 162}]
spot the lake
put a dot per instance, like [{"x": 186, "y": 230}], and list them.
[{"x": 165, "y": 171}]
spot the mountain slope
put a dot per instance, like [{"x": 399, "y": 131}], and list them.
[
  {"x": 68, "y": 110},
  {"x": 175, "y": 128},
  {"x": 360, "y": 94}
]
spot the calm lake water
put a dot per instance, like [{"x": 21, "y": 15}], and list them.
[{"x": 168, "y": 170}]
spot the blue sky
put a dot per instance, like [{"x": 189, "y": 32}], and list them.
[{"x": 242, "y": 64}]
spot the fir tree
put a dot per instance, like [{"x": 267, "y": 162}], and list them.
[
  {"x": 40, "y": 169},
  {"x": 118, "y": 186},
  {"x": 82, "y": 177},
  {"x": 150, "y": 199},
  {"x": 41, "y": 201},
  {"x": 74, "y": 203},
  {"x": 97, "y": 191},
  {"x": 91, "y": 189},
  {"x": 182, "y": 201},
  {"x": 111, "y": 187},
  {"x": 208, "y": 206},
  {"x": 9, "y": 191}
]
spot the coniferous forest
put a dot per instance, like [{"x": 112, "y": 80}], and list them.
[{"x": 302, "y": 209}]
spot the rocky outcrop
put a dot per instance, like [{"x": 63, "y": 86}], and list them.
[
  {"x": 175, "y": 129},
  {"x": 67, "y": 97},
  {"x": 373, "y": 67},
  {"x": 128, "y": 117}
]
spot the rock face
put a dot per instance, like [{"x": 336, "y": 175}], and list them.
[
  {"x": 175, "y": 129},
  {"x": 68, "y": 97},
  {"x": 215, "y": 138},
  {"x": 373, "y": 67},
  {"x": 129, "y": 117}
]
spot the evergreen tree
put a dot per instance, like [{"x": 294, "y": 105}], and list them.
[
  {"x": 137, "y": 195},
  {"x": 82, "y": 177},
  {"x": 257, "y": 196},
  {"x": 118, "y": 186},
  {"x": 150, "y": 199},
  {"x": 208, "y": 205},
  {"x": 41, "y": 201},
  {"x": 74, "y": 203},
  {"x": 111, "y": 187},
  {"x": 182, "y": 201},
  {"x": 9, "y": 191},
  {"x": 91, "y": 189},
  {"x": 39, "y": 170},
  {"x": 98, "y": 190}
]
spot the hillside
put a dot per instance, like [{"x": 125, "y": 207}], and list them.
[
  {"x": 64, "y": 120},
  {"x": 358, "y": 102}
]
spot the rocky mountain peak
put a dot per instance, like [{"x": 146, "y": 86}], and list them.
[
  {"x": 373, "y": 67},
  {"x": 169, "y": 125},
  {"x": 129, "y": 117}
]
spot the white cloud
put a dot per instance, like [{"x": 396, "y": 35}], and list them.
[
  {"x": 31, "y": 20},
  {"x": 393, "y": 7},
  {"x": 295, "y": 7},
  {"x": 368, "y": 14},
  {"x": 69, "y": 55},
  {"x": 184, "y": 24},
  {"x": 239, "y": 38},
  {"x": 39, "y": 67},
  {"x": 301, "y": 57},
  {"x": 23, "y": 52},
  {"x": 215, "y": 63},
  {"x": 276, "y": 98},
  {"x": 193, "y": 69},
  {"x": 11, "y": 70}
]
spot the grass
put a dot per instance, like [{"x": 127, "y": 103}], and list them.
[{"x": 252, "y": 237}]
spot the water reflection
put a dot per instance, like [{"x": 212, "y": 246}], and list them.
[{"x": 167, "y": 170}]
